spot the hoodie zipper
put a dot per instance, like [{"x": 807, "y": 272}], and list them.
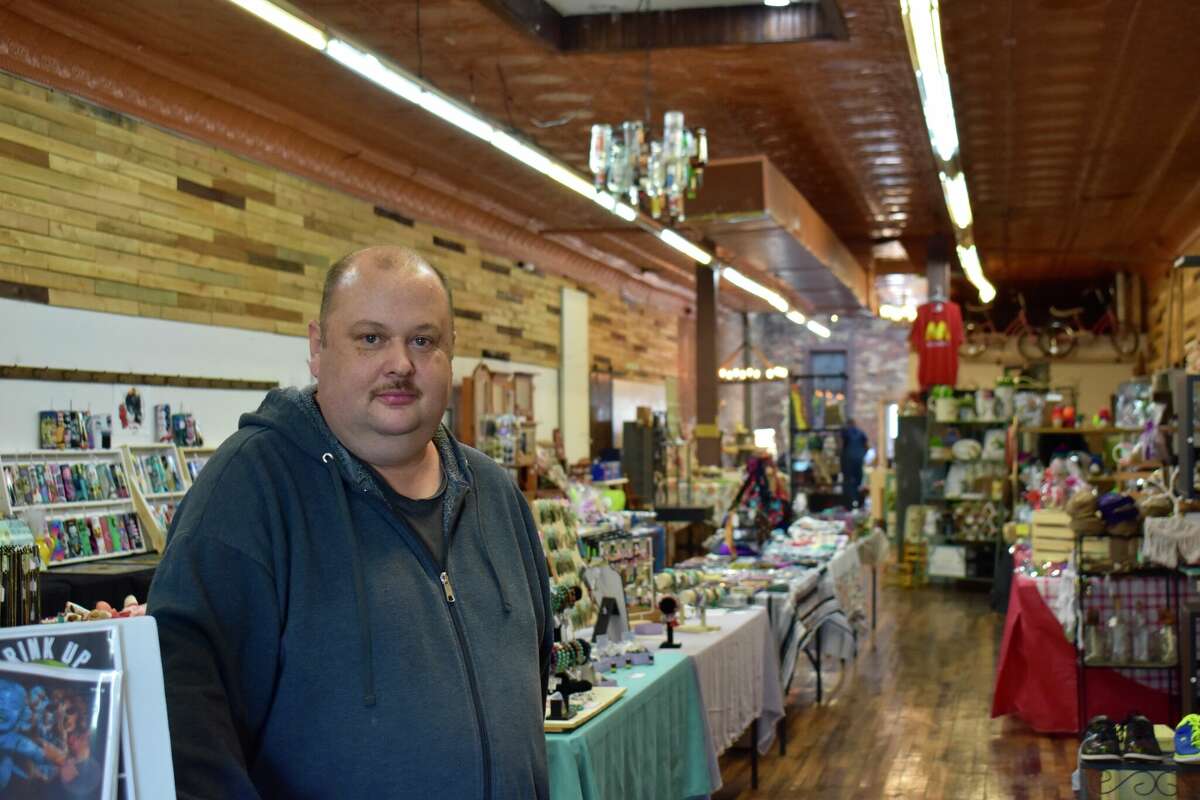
[
  {"x": 478, "y": 701},
  {"x": 443, "y": 579}
]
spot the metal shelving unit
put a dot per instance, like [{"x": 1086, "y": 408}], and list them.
[{"x": 934, "y": 427}]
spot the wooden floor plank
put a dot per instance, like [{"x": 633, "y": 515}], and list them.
[{"x": 910, "y": 718}]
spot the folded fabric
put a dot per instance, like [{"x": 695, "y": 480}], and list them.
[
  {"x": 1117, "y": 508},
  {"x": 1168, "y": 538}
]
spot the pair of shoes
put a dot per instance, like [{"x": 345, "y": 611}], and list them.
[
  {"x": 1133, "y": 739},
  {"x": 1187, "y": 739}
]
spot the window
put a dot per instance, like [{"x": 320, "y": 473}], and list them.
[{"x": 830, "y": 362}]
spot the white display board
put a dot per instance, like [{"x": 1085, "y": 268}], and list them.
[{"x": 36, "y": 335}]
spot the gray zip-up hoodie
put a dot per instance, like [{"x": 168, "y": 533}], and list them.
[{"x": 311, "y": 646}]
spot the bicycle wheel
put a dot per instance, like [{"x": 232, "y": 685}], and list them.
[
  {"x": 1125, "y": 339},
  {"x": 1057, "y": 340},
  {"x": 975, "y": 340},
  {"x": 1027, "y": 345}
]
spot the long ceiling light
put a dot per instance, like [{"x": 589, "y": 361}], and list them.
[
  {"x": 286, "y": 21},
  {"x": 922, "y": 23},
  {"x": 817, "y": 328},
  {"x": 773, "y": 298},
  {"x": 681, "y": 244},
  {"x": 796, "y": 317},
  {"x": 969, "y": 258},
  {"x": 958, "y": 201}
]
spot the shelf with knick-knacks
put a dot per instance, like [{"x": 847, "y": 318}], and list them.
[
  {"x": 78, "y": 503},
  {"x": 158, "y": 482}
]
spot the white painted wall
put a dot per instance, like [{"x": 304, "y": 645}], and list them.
[
  {"x": 574, "y": 403},
  {"x": 43, "y": 336},
  {"x": 627, "y": 396}
]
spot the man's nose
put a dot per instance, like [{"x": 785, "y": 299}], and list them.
[{"x": 398, "y": 361}]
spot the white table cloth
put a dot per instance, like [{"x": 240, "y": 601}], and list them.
[{"x": 738, "y": 669}]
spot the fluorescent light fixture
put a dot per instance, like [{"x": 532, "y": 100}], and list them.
[
  {"x": 773, "y": 298},
  {"x": 456, "y": 115},
  {"x": 673, "y": 239},
  {"x": 796, "y": 317},
  {"x": 522, "y": 152},
  {"x": 285, "y": 21},
  {"x": 626, "y": 212},
  {"x": 777, "y": 3},
  {"x": 958, "y": 201},
  {"x": 817, "y": 328},
  {"x": 374, "y": 70},
  {"x": 969, "y": 258},
  {"x": 925, "y": 32}
]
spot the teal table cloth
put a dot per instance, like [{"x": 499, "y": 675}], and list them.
[{"x": 652, "y": 744}]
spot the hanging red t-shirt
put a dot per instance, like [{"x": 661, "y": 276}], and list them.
[{"x": 935, "y": 336}]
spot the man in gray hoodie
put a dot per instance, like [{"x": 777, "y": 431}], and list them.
[{"x": 338, "y": 617}]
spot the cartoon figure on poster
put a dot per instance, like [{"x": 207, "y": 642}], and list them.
[
  {"x": 46, "y": 742},
  {"x": 131, "y": 410}
]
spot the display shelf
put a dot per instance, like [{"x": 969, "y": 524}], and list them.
[
  {"x": 1127, "y": 665},
  {"x": 193, "y": 459},
  {"x": 82, "y": 504},
  {"x": 75, "y": 473},
  {"x": 1142, "y": 572},
  {"x": 152, "y": 466},
  {"x": 177, "y": 495},
  {"x": 979, "y": 423},
  {"x": 1050, "y": 431}
]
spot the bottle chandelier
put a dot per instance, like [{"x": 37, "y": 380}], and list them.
[{"x": 655, "y": 176}]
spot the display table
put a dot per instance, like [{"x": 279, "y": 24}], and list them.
[
  {"x": 738, "y": 668},
  {"x": 88, "y": 583},
  {"x": 1036, "y": 673},
  {"x": 650, "y": 745}
]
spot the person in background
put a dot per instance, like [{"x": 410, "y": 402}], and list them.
[
  {"x": 338, "y": 617},
  {"x": 854, "y": 452}
]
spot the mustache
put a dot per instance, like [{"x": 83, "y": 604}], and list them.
[{"x": 403, "y": 386}]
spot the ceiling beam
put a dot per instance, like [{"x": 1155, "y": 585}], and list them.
[
  {"x": 654, "y": 30},
  {"x": 698, "y": 27}
]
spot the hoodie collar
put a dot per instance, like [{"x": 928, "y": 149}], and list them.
[{"x": 458, "y": 472}]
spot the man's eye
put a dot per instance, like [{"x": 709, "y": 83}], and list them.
[
  {"x": 370, "y": 339},
  {"x": 422, "y": 341}
]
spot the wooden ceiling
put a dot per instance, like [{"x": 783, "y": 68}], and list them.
[
  {"x": 1079, "y": 119},
  {"x": 1080, "y": 129}
]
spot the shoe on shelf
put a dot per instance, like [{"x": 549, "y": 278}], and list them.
[
  {"x": 1100, "y": 742},
  {"x": 1140, "y": 742},
  {"x": 1187, "y": 739}
]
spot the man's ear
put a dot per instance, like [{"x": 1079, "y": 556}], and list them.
[{"x": 314, "y": 349}]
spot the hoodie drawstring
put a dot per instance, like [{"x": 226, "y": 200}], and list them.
[
  {"x": 487, "y": 551},
  {"x": 360, "y": 588}
]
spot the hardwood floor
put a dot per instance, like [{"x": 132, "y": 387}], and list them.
[{"x": 910, "y": 718}]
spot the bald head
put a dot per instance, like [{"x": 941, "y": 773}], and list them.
[{"x": 382, "y": 257}]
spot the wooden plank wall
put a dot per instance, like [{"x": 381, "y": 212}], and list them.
[
  {"x": 1162, "y": 322},
  {"x": 102, "y": 212}
]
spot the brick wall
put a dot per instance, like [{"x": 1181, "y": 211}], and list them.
[
  {"x": 99, "y": 211},
  {"x": 877, "y": 356}
]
